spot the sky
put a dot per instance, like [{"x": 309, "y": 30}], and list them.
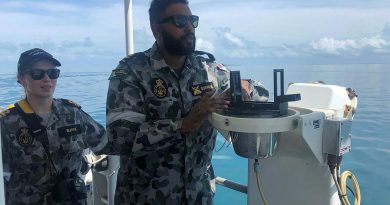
[{"x": 89, "y": 35}]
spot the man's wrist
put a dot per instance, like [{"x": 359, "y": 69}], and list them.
[{"x": 185, "y": 126}]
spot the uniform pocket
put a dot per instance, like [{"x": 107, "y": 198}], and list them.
[
  {"x": 71, "y": 138},
  {"x": 27, "y": 155},
  {"x": 73, "y": 146}
]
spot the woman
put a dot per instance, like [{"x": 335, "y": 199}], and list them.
[{"x": 43, "y": 138}]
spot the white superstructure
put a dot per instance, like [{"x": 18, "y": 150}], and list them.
[{"x": 288, "y": 155}]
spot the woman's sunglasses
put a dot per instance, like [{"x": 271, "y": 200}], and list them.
[
  {"x": 180, "y": 21},
  {"x": 38, "y": 74}
]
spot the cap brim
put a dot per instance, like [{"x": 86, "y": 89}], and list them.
[
  {"x": 53, "y": 60},
  {"x": 56, "y": 62}
]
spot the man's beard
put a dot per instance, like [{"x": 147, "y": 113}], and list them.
[{"x": 178, "y": 47}]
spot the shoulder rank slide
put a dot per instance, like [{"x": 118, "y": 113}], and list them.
[
  {"x": 119, "y": 73},
  {"x": 3, "y": 112},
  {"x": 70, "y": 103}
]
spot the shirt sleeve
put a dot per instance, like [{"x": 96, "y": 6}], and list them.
[
  {"x": 95, "y": 135},
  {"x": 6, "y": 157},
  {"x": 128, "y": 130}
]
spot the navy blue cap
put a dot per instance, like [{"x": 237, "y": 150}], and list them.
[{"x": 28, "y": 58}]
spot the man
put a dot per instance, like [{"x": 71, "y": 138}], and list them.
[
  {"x": 157, "y": 108},
  {"x": 43, "y": 138}
]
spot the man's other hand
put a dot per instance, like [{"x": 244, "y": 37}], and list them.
[{"x": 199, "y": 113}]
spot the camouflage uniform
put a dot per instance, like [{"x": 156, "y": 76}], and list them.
[
  {"x": 146, "y": 103},
  {"x": 33, "y": 175}
]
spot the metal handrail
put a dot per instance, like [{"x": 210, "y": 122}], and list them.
[{"x": 231, "y": 185}]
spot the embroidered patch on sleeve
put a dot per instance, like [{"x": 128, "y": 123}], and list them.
[
  {"x": 200, "y": 89},
  {"x": 119, "y": 73}
]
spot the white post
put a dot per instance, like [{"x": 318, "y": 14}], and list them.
[
  {"x": 114, "y": 161},
  {"x": 129, "y": 26},
  {"x": 2, "y": 197},
  {"x": 104, "y": 187}
]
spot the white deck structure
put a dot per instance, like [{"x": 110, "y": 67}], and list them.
[{"x": 292, "y": 151}]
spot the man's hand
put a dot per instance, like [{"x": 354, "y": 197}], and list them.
[{"x": 199, "y": 113}]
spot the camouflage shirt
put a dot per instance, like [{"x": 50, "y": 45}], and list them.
[
  {"x": 33, "y": 172},
  {"x": 146, "y": 103}
]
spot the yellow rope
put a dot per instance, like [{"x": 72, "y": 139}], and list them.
[
  {"x": 260, "y": 190},
  {"x": 343, "y": 186}
]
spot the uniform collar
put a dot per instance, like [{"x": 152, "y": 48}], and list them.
[
  {"x": 26, "y": 108},
  {"x": 55, "y": 110},
  {"x": 156, "y": 59}
]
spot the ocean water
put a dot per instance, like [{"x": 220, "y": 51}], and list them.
[{"x": 368, "y": 160}]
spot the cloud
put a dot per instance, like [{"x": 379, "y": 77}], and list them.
[
  {"x": 229, "y": 46},
  {"x": 376, "y": 43},
  {"x": 74, "y": 33},
  {"x": 385, "y": 33},
  {"x": 231, "y": 38},
  {"x": 285, "y": 50},
  {"x": 373, "y": 44},
  {"x": 333, "y": 46},
  {"x": 299, "y": 3},
  {"x": 60, "y": 21},
  {"x": 269, "y": 31},
  {"x": 204, "y": 45},
  {"x": 51, "y": 46},
  {"x": 232, "y": 45},
  {"x": 86, "y": 43},
  {"x": 38, "y": 6}
]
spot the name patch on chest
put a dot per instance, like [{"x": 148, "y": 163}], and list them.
[
  {"x": 24, "y": 137},
  {"x": 68, "y": 131},
  {"x": 159, "y": 87},
  {"x": 201, "y": 89}
]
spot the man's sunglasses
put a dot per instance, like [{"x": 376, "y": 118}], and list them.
[
  {"x": 180, "y": 21},
  {"x": 38, "y": 74}
]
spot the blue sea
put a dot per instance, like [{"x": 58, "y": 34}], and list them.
[{"x": 369, "y": 159}]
